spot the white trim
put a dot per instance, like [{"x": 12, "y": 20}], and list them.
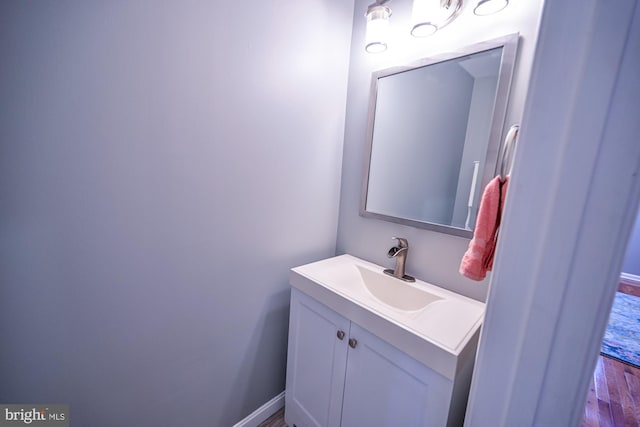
[
  {"x": 263, "y": 412},
  {"x": 630, "y": 279}
]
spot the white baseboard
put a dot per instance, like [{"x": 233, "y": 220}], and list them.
[
  {"x": 263, "y": 412},
  {"x": 630, "y": 279}
]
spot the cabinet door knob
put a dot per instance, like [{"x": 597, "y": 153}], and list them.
[
  {"x": 340, "y": 335},
  {"x": 353, "y": 342}
]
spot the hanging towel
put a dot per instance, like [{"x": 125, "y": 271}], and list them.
[{"x": 479, "y": 256}]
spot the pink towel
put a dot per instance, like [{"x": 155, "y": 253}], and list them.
[{"x": 479, "y": 256}]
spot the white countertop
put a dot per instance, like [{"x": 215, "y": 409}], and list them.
[{"x": 436, "y": 335}]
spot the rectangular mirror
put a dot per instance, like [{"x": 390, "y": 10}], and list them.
[{"x": 433, "y": 137}]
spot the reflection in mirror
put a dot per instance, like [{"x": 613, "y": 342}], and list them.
[{"x": 433, "y": 137}]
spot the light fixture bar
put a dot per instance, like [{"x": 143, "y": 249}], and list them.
[{"x": 428, "y": 16}]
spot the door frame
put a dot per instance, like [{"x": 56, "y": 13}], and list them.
[{"x": 571, "y": 206}]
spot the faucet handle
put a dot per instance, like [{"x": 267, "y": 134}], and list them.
[{"x": 402, "y": 242}]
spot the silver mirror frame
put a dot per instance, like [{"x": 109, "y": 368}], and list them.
[{"x": 509, "y": 45}]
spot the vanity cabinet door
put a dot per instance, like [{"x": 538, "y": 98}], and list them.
[
  {"x": 386, "y": 387},
  {"x": 317, "y": 358}
]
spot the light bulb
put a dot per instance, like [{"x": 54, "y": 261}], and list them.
[
  {"x": 428, "y": 16},
  {"x": 489, "y": 7},
  {"x": 377, "y": 29}
]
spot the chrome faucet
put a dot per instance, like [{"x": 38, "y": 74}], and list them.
[{"x": 399, "y": 252}]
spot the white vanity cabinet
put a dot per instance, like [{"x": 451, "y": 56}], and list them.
[
  {"x": 316, "y": 363},
  {"x": 339, "y": 374},
  {"x": 367, "y": 349}
]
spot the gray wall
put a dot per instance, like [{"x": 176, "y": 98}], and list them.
[
  {"x": 162, "y": 166},
  {"x": 632, "y": 258},
  {"x": 434, "y": 257}
]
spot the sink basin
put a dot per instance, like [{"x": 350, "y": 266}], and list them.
[
  {"x": 394, "y": 292},
  {"x": 433, "y": 325}
]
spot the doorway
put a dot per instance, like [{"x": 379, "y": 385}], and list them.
[{"x": 613, "y": 398}]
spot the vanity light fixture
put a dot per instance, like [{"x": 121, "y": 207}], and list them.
[
  {"x": 377, "y": 26},
  {"x": 489, "y": 7},
  {"x": 428, "y": 16}
]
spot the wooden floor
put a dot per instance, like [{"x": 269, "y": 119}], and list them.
[
  {"x": 276, "y": 420},
  {"x": 614, "y": 395},
  {"x": 629, "y": 288}
]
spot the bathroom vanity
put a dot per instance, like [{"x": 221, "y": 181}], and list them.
[{"x": 367, "y": 349}]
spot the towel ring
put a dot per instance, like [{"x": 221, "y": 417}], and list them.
[{"x": 507, "y": 151}]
